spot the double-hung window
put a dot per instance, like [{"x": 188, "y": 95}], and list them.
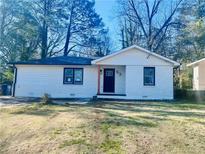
[
  {"x": 73, "y": 76},
  {"x": 149, "y": 76}
]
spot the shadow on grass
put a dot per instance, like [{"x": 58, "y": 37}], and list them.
[
  {"x": 159, "y": 110},
  {"x": 183, "y": 104},
  {"x": 127, "y": 121},
  {"x": 32, "y": 109}
]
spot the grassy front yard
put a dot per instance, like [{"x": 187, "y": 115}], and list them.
[{"x": 104, "y": 127}]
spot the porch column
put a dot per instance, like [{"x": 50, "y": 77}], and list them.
[{"x": 98, "y": 79}]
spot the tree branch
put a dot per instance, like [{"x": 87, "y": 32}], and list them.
[{"x": 132, "y": 4}]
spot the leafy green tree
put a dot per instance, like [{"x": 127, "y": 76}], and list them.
[
  {"x": 49, "y": 30},
  {"x": 19, "y": 32},
  {"x": 7, "y": 13},
  {"x": 190, "y": 38},
  {"x": 44, "y": 28},
  {"x": 82, "y": 24}
]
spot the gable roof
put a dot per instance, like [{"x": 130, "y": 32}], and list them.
[
  {"x": 138, "y": 48},
  {"x": 61, "y": 60},
  {"x": 196, "y": 62}
]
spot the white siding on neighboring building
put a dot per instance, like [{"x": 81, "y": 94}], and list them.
[
  {"x": 196, "y": 78},
  {"x": 199, "y": 76},
  {"x": 202, "y": 76},
  {"x": 35, "y": 80}
]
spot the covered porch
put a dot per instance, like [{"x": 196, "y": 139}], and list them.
[{"x": 111, "y": 81}]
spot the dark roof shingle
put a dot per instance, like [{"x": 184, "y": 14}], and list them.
[{"x": 61, "y": 60}]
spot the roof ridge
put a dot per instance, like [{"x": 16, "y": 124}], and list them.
[
  {"x": 195, "y": 62},
  {"x": 58, "y": 60}
]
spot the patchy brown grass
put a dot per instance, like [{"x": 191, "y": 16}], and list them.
[{"x": 104, "y": 127}]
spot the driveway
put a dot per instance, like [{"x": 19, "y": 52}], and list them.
[{"x": 8, "y": 100}]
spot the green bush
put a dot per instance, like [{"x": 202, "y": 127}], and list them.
[
  {"x": 46, "y": 99},
  {"x": 6, "y": 77},
  {"x": 186, "y": 79},
  {"x": 190, "y": 95}
]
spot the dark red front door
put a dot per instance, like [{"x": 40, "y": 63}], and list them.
[{"x": 109, "y": 80}]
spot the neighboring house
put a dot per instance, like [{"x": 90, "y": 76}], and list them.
[
  {"x": 198, "y": 74},
  {"x": 131, "y": 73}
]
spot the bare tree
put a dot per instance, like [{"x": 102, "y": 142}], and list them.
[{"x": 148, "y": 16}]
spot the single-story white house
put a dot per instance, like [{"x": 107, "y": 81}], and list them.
[
  {"x": 198, "y": 74},
  {"x": 132, "y": 73}
]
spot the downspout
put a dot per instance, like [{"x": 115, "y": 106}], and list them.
[
  {"x": 98, "y": 79},
  {"x": 14, "y": 82},
  {"x": 178, "y": 75}
]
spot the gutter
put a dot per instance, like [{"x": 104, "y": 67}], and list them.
[{"x": 14, "y": 82}]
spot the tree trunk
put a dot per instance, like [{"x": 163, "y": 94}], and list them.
[
  {"x": 68, "y": 36},
  {"x": 44, "y": 31},
  {"x": 44, "y": 41},
  {"x": 67, "y": 41},
  {"x": 123, "y": 38},
  {"x": 2, "y": 22}
]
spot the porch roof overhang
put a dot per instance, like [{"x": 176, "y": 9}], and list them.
[{"x": 95, "y": 62}]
